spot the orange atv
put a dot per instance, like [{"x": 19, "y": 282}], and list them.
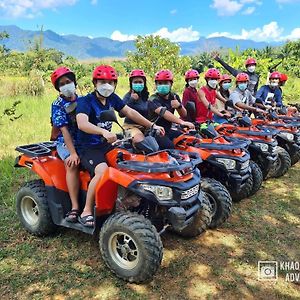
[
  {"x": 136, "y": 199},
  {"x": 223, "y": 162}
]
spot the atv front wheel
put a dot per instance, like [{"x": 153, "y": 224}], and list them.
[
  {"x": 244, "y": 192},
  {"x": 295, "y": 157},
  {"x": 257, "y": 177},
  {"x": 201, "y": 221},
  {"x": 131, "y": 247},
  {"x": 32, "y": 208},
  {"x": 219, "y": 199},
  {"x": 282, "y": 164}
]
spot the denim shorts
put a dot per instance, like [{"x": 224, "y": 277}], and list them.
[{"x": 62, "y": 151}]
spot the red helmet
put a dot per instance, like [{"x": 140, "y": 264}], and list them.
[
  {"x": 164, "y": 75},
  {"x": 250, "y": 61},
  {"x": 191, "y": 74},
  {"x": 283, "y": 77},
  {"x": 225, "y": 77},
  {"x": 105, "y": 72},
  {"x": 213, "y": 73},
  {"x": 275, "y": 75},
  {"x": 242, "y": 77},
  {"x": 59, "y": 72},
  {"x": 137, "y": 73}
]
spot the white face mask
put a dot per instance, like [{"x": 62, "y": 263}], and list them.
[
  {"x": 68, "y": 90},
  {"x": 251, "y": 69},
  {"x": 105, "y": 89},
  {"x": 193, "y": 83},
  {"x": 274, "y": 84},
  {"x": 212, "y": 83}
]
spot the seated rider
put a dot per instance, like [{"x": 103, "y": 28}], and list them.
[
  {"x": 94, "y": 135},
  {"x": 163, "y": 97},
  {"x": 63, "y": 117}
]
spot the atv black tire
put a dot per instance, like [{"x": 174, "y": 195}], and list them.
[
  {"x": 244, "y": 192},
  {"x": 257, "y": 177},
  {"x": 131, "y": 247},
  {"x": 201, "y": 220},
  {"x": 219, "y": 199},
  {"x": 33, "y": 210},
  {"x": 295, "y": 158},
  {"x": 282, "y": 164}
]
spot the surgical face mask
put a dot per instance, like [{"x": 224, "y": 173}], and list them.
[
  {"x": 251, "y": 69},
  {"x": 138, "y": 87},
  {"x": 68, "y": 90},
  {"x": 193, "y": 83},
  {"x": 212, "y": 83},
  {"x": 105, "y": 89},
  {"x": 274, "y": 84},
  {"x": 163, "y": 89},
  {"x": 242, "y": 86},
  {"x": 226, "y": 86}
]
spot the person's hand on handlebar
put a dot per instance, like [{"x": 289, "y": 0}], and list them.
[
  {"x": 159, "y": 129},
  {"x": 188, "y": 124},
  {"x": 109, "y": 136}
]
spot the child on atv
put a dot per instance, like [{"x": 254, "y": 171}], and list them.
[
  {"x": 165, "y": 98},
  {"x": 63, "y": 117},
  {"x": 94, "y": 136}
]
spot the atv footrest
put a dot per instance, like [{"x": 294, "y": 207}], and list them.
[{"x": 37, "y": 150}]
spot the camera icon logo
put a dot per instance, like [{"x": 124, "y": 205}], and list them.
[{"x": 267, "y": 270}]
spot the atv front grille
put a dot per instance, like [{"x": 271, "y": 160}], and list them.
[
  {"x": 190, "y": 192},
  {"x": 245, "y": 165}
]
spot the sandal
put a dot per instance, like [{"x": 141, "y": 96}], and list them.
[
  {"x": 87, "y": 221},
  {"x": 72, "y": 216}
]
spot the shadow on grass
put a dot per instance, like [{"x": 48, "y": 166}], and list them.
[{"x": 221, "y": 264}]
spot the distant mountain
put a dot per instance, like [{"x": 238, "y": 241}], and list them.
[{"x": 83, "y": 47}]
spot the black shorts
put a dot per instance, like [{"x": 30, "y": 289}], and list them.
[{"x": 94, "y": 156}]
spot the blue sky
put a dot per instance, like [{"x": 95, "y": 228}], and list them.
[{"x": 178, "y": 20}]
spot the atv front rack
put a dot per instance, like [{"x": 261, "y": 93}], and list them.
[
  {"x": 256, "y": 133},
  {"x": 153, "y": 167},
  {"x": 37, "y": 150}
]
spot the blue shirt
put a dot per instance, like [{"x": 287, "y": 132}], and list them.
[
  {"x": 266, "y": 92},
  {"x": 63, "y": 113},
  {"x": 92, "y": 107}
]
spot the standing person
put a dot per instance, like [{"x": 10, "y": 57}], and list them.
[
  {"x": 241, "y": 96},
  {"x": 164, "y": 97},
  {"x": 270, "y": 94},
  {"x": 63, "y": 117},
  {"x": 208, "y": 96},
  {"x": 94, "y": 136},
  {"x": 250, "y": 65}
]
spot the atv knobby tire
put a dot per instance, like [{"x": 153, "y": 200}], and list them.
[
  {"x": 257, "y": 177},
  {"x": 295, "y": 157},
  {"x": 33, "y": 210},
  {"x": 219, "y": 199},
  {"x": 282, "y": 164},
  {"x": 131, "y": 246},
  {"x": 244, "y": 192},
  {"x": 201, "y": 221}
]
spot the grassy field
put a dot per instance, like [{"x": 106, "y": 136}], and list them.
[{"x": 221, "y": 264}]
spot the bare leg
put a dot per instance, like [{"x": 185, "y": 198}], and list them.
[
  {"x": 90, "y": 197},
  {"x": 72, "y": 178}
]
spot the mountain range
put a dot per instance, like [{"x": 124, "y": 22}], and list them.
[{"x": 83, "y": 47}]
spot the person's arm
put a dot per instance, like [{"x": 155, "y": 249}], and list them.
[
  {"x": 278, "y": 98},
  {"x": 176, "y": 103},
  {"x": 256, "y": 86},
  {"x": 203, "y": 99},
  {"x": 73, "y": 159},
  {"x": 259, "y": 95},
  {"x": 220, "y": 97},
  {"x": 230, "y": 69}
]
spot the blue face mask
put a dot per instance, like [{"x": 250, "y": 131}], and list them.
[
  {"x": 163, "y": 89},
  {"x": 226, "y": 86},
  {"x": 242, "y": 86},
  {"x": 138, "y": 87}
]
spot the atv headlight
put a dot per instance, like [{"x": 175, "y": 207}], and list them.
[
  {"x": 228, "y": 163},
  {"x": 287, "y": 135},
  {"x": 161, "y": 192},
  {"x": 263, "y": 147}
]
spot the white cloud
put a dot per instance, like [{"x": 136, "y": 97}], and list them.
[
  {"x": 30, "y": 8},
  {"x": 287, "y": 1},
  {"x": 269, "y": 32},
  {"x": 94, "y": 2},
  {"x": 294, "y": 35},
  {"x": 173, "y": 12},
  {"x": 179, "y": 35},
  {"x": 249, "y": 10},
  {"x": 226, "y": 7},
  {"x": 118, "y": 36}
]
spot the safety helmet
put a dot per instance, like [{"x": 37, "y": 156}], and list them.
[
  {"x": 212, "y": 73},
  {"x": 250, "y": 61},
  {"x": 275, "y": 75},
  {"x": 283, "y": 77},
  {"x": 242, "y": 77},
  {"x": 59, "y": 72},
  {"x": 225, "y": 77},
  {"x": 105, "y": 72},
  {"x": 191, "y": 74},
  {"x": 164, "y": 75},
  {"x": 137, "y": 73}
]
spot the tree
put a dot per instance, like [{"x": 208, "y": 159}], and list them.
[
  {"x": 3, "y": 50},
  {"x": 154, "y": 53}
]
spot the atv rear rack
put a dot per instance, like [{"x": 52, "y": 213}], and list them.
[{"x": 37, "y": 150}]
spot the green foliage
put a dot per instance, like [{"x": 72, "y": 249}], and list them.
[{"x": 154, "y": 53}]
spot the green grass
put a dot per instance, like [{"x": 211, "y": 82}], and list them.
[{"x": 221, "y": 264}]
